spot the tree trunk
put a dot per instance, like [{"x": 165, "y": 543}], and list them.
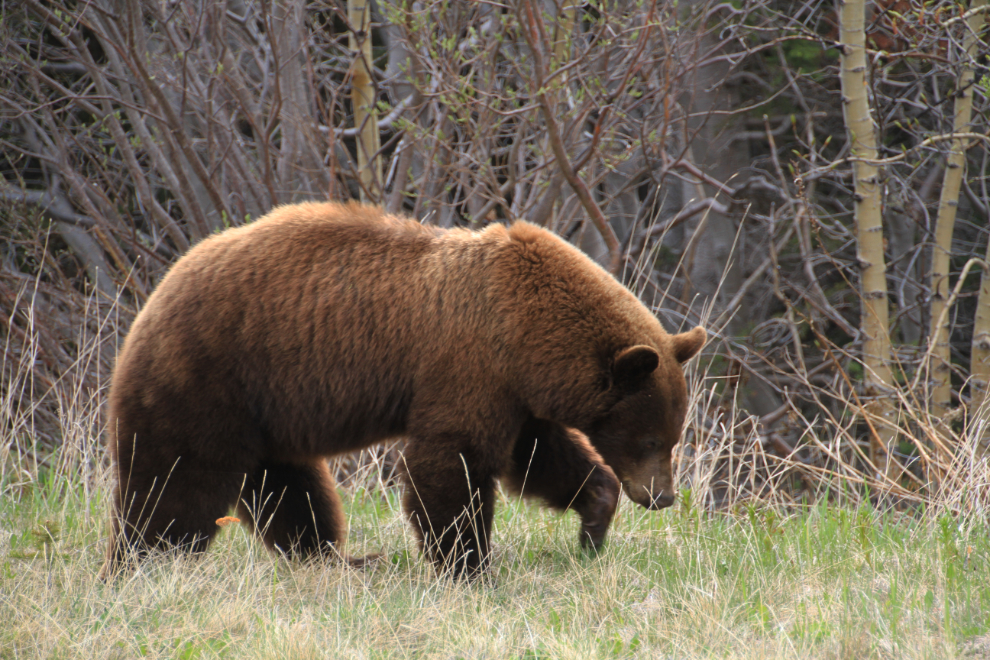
[
  {"x": 403, "y": 76},
  {"x": 869, "y": 227},
  {"x": 363, "y": 100},
  {"x": 980, "y": 357},
  {"x": 300, "y": 161}
]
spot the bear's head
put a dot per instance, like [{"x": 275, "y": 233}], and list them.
[{"x": 637, "y": 434}]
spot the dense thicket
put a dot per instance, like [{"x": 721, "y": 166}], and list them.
[{"x": 698, "y": 149}]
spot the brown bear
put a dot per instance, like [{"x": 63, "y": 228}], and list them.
[{"x": 323, "y": 328}]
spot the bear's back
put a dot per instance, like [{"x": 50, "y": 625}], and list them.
[{"x": 314, "y": 308}]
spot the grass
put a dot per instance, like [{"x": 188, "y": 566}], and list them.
[{"x": 755, "y": 581}]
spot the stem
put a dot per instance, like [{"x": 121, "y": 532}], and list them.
[
  {"x": 363, "y": 100},
  {"x": 869, "y": 226}
]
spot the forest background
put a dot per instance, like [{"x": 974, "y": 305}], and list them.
[{"x": 807, "y": 180}]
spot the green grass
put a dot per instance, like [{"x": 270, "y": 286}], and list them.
[{"x": 756, "y": 582}]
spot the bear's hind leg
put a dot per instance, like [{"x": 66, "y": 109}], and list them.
[
  {"x": 174, "y": 511},
  {"x": 561, "y": 467},
  {"x": 295, "y": 509}
]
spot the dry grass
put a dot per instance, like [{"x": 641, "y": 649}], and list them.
[{"x": 755, "y": 583}]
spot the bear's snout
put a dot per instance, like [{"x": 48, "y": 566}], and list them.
[
  {"x": 648, "y": 499},
  {"x": 662, "y": 501},
  {"x": 650, "y": 482}
]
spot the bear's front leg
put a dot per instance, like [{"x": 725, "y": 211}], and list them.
[
  {"x": 450, "y": 504},
  {"x": 560, "y": 466}
]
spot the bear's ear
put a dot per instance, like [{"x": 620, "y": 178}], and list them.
[
  {"x": 687, "y": 344},
  {"x": 634, "y": 363}
]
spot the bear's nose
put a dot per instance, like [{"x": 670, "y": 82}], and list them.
[{"x": 662, "y": 501}]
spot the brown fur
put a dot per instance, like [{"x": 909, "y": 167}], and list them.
[{"x": 325, "y": 328}]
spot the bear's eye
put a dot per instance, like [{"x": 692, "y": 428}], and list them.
[{"x": 651, "y": 445}]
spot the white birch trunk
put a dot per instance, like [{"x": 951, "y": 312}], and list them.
[
  {"x": 869, "y": 227},
  {"x": 363, "y": 100}
]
